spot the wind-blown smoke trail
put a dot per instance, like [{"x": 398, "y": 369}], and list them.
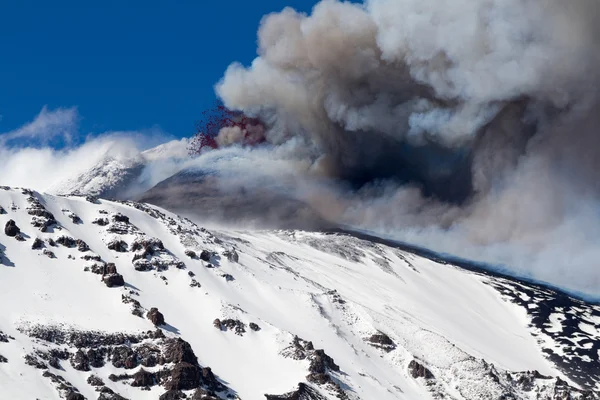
[{"x": 466, "y": 126}]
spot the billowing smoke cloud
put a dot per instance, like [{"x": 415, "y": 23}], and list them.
[{"x": 469, "y": 127}]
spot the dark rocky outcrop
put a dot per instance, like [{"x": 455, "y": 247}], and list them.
[
  {"x": 82, "y": 246},
  {"x": 120, "y": 246},
  {"x": 304, "y": 392},
  {"x": 37, "y": 244},
  {"x": 101, "y": 221},
  {"x": 210, "y": 380},
  {"x": 178, "y": 350},
  {"x": 205, "y": 256},
  {"x": 230, "y": 324},
  {"x": 120, "y": 218},
  {"x": 184, "y": 376},
  {"x": 190, "y": 254},
  {"x": 11, "y": 229},
  {"x": 3, "y": 359},
  {"x": 94, "y": 380},
  {"x": 143, "y": 378},
  {"x": 123, "y": 357},
  {"x": 49, "y": 254},
  {"x": 418, "y": 370},
  {"x": 156, "y": 316},
  {"x": 75, "y": 396},
  {"x": 172, "y": 395},
  {"x": 114, "y": 280},
  {"x": 80, "y": 361},
  {"x": 66, "y": 241},
  {"x": 381, "y": 341},
  {"x": 254, "y": 327}
]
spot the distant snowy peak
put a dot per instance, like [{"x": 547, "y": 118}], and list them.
[
  {"x": 120, "y": 300},
  {"x": 126, "y": 174}
]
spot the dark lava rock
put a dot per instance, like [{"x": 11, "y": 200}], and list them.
[
  {"x": 20, "y": 237},
  {"x": 75, "y": 396},
  {"x": 419, "y": 371},
  {"x": 120, "y": 218},
  {"x": 75, "y": 219},
  {"x": 230, "y": 324},
  {"x": 2, "y": 210},
  {"x": 101, "y": 221},
  {"x": 203, "y": 394},
  {"x": 210, "y": 380},
  {"x": 82, "y": 246},
  {"x": 120, "y": 246},
  {"x": 80, "y": 361},
  {"x": 184, "y": 376},
  {"x": 381, "y": 341},
  {"x": 172, "y": 395},
  {"x": 124, "y": 357},
  {"x": 205, "y": 256},
  {"x": 11, "y": 229},
  {"x": 156, "y": 316},
  {"x": 148, "y": 355},
  {"x": 143, "y": 378},
  {"x": 228, "y": 277},
  {"x": 95, "y": 380},
  {"x": 114, "y": 280},
  {"x": 37, "y": 244},
  {"x": 91, "y": 199},
  {"x": 35, "y": 362},
  {"x": 254, "y": 327},
  {"x": 89, "y": 257},
  {"x": 232, "y": 255},
  {"x": 191, "y": 274},
  {"x": 111, "y": 268},
  {"x": 195, "y": 283},
  {"x": 178, "y": 350},
  {"x": 108, "y": 394},
  {"x": 66, "y": 241},
  {"x": 304, "y": 392},
  {"x": 190, "y": 254},
  {"x": 3, "y": 359},
  {"x": 49, "y": 253}
]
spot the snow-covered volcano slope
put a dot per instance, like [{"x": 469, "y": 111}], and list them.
[{"x": 254, "y": 315}]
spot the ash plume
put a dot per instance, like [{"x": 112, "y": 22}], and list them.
[{"x": 469, "y": 127}]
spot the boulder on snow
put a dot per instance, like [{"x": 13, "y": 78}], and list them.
[
  {"x": 114, "y": 280},
  {"x": 190, "y": 254},
  {"x": 37, "y": 244},
  {"x": 156, "y": 316},
  {"x": 120, "y": 246},
  {"x": 205, "y": 256},
  {"x": 11, "y": 229}
]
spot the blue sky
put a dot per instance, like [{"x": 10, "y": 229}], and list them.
[{"x": 124, "y": 65}]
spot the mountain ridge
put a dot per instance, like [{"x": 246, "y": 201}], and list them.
[{"x": 271, "y": 313}]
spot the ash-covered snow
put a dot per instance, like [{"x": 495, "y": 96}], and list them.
[{"x": 306, "y": 315}]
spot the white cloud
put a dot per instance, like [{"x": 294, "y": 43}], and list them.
[{"x": 47, "y": 125}]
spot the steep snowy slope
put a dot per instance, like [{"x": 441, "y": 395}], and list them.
[
  {"x": 121, "y": 174},
  {"x": 112, "y": 300}
]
